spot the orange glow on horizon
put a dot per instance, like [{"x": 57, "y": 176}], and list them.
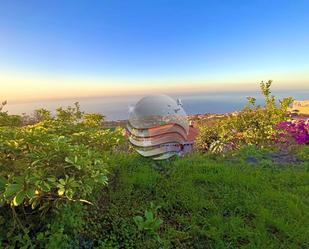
[{"x": 31, "y": 88}]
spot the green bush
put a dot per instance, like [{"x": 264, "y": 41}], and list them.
[
  {"x": 253, "y": 125},
  {"x": 207, "y": 135},
  {"x": 48, "y": 167}
]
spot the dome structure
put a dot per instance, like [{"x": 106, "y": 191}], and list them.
[
  {"x": 157, "y": 110},
  {"x": 158, "y": 127}
]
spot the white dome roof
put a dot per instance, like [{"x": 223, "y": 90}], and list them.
[{"x": 157, "y": 110}]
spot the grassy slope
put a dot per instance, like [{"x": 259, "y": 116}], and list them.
[{"x": 206, "y": 202}]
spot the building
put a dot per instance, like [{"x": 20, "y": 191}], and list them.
[
  {"x": 300, "y": 108},
  {"x": 300, "y": 103},
  {"x": 163, "y": 139},
  {"x": 188, "y": 145}
]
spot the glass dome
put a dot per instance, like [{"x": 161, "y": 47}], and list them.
[{"x": 157, "y": 110}]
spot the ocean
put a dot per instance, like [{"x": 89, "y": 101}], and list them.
[{"x": 117, "y": 108}]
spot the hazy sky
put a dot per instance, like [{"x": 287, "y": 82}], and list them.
[{"x": 58, "y": 49}]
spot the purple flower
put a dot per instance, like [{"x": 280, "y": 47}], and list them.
[{"x": 289, "y": 132}]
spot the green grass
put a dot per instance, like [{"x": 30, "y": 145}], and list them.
[{"x": 206, "y": 202}]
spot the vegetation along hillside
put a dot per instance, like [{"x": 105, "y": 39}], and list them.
[{"x": 66, "y": 181}]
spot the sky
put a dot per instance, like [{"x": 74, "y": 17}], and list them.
[{"x": 60, "y": 49}]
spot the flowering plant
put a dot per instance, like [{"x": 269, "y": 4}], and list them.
[{"x": 292, "y": 132}]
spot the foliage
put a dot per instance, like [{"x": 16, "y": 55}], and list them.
[
  {"x": 70, "y": 115},
  {"x": 50, "y": 166},
  {"x": 93, "y": 119},
  {"x": 42, "y": 115},
  {"x": 9, "y": 120},
  {"x": 207, "y": 135},
  {"x": 220, "y": 146},
  {"x": 290, "y": 133},
  {"x": 149, "y": 223},
  {"x": 253, "y": 125}
]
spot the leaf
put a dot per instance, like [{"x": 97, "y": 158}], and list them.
[
  {"x": 19, "y": 198},
  {"x": 12, "y": 189},
  {"x": 51, "y": 179},
  {"x": 138, "y": 219},
  {"x": 3, "y": 182},
  {"x": 62, "y": 181},
  {"x": 68, "y": 160},
  {"x": 103, "y": 179},
  {"x": 46, "y": 186},
  {"x": 31, "y": 192},
  {"x": 35, "y": 162},
  {"x": 34, "y": 203},
  {"x": 148, "y": 215},
  {"x": 69, "y": 193},
  {"x": 158, "y": 223}
]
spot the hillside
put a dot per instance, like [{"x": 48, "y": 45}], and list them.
[{"x": 66, "y": 181}]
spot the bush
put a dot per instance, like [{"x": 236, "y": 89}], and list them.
[
  {"x": 9, "y": 120},
  {"x": 291, "y": 132},
  {"x": 207, "y": 135},
  {"x": 253, "y": 125},
  {"x": 48, "y": 167}
]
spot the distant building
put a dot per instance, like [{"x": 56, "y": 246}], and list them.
[
  {"x": 300, "y": 103},
  {"x": 299, "y": 108}
]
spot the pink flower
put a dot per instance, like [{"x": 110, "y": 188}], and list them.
[{"x": 292, "y": 132}]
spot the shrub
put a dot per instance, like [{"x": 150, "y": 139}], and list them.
[
  {"x": 252, "y": 125},
  {"x": 9, "y": 120},
  {"x": 207, "y": 135},
  {"x": 291, "y": 132},
  {"x": 149, "y": 223},
  {"x": 48, "y": 167}
]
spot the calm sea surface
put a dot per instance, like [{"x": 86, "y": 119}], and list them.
[{"x": 115, "y": 108}]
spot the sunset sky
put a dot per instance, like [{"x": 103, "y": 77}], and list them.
[{"x": 59, "y": 49}]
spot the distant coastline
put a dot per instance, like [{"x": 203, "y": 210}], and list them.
[{"x": 117, "y": 108}]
